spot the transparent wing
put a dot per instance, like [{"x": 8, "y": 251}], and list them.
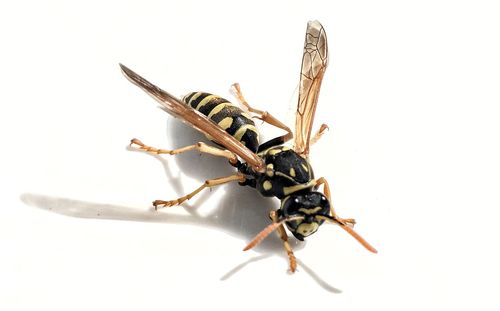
[
  {"x": 314, "y": 62},
  {"x": 195, "y": 119}
]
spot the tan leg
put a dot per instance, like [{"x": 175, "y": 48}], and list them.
[
  {"x": 326, "y": 190},
  {"x": 207, "y": 184},
  {"x": 262, "y": 115},
  {"x": 282, "y": 234},
  {"x": 318, "y": 134},
  {"x": 201, "y": 147}
]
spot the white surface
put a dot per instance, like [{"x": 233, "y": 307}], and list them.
[{"x": 411, "y": 95}]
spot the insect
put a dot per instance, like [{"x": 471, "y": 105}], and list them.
[{"x": 273, "y": 168}]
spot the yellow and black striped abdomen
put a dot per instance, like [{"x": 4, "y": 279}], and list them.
[{"x": 232, "y": 119}]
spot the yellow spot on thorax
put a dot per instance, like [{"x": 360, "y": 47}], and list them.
[
  {"x": 274, "y": 152},
  {"x": 305, "y": 167},
  {"x": 270, "y": 170},
  {"x": 277, "y": 150},
  {"x": 267, "y": 185}
]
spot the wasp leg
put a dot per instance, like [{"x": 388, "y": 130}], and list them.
[
  {"x": 282, "y": 234},
  {"x": 207, "y": 184},
  {"x": 326, "y": 189},
  {"x": 318, "y": 134},
  {"x": 201, "y": 147},
  {"x": 262, "y": 115}
]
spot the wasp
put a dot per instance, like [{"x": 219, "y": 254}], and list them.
[{"x": 274, "y": 168}]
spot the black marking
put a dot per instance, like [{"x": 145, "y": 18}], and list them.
[
  {"x": 250, "y": 138},
  {"x": 194, "y": 103},
  {"x": 188, "y": 97},
  {"x": 271, "y": 143},
  {"x": 233, "y": 112},
  {"x": 208, "y": 107},
  {"x": 283, "y": 159}
]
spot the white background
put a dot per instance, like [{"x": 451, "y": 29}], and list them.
[{"x": 412, "y": 99}]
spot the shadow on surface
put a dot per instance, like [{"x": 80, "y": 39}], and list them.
[{"x": 241, "y": 212}]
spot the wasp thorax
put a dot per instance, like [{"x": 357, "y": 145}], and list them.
[{"x": 308, "y": 205}]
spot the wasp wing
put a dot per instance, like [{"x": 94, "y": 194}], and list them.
[
  {"x": 195, "y": 119},
  {"x": 314, "y": 62}
]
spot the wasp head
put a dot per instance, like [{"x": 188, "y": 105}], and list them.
[{"x": 310, "y": 210}]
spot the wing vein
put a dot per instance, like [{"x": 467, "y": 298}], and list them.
[
  {"x": 178, "y": 109},
  {"x": 314, "y": 63}
]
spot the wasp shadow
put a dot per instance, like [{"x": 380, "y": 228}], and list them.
[{"x": 241, "y": 212}]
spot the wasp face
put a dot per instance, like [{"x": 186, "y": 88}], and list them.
[{"x": 308, "y": 205}]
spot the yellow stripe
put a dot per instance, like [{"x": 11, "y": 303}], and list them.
[
  {"x": 284, "y": 175},
  {"x": 242, "y": 130},
  {"x": 274, "y": 151},
  {"x": 310, "y": 211},
  {"x": 305, "y": 167},
  {"x": 205, "y": 101},
  {"x": 195, "y": 96},
  {"x": 226, "y": 123},
  {"x": 216, "y": 109},
  {"x": 246, "y": 115},
  {"x": 283, "y": 201},
  {"x": 292, "y": 189},
  {"x": 309, "y": 170}
]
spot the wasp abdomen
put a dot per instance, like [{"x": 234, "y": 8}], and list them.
[{"x": 229, "y": 117}]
